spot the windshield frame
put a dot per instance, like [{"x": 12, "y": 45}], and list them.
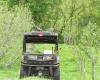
[{"x": 55, "y": 43}]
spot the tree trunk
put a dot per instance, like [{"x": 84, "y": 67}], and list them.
[
  {"x": 81, "y": 69},
  {"x": 84, "y": 71},
  {"x": 93, "y": 69}
]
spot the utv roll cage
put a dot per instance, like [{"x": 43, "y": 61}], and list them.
[{"x": 40, "y": 37}]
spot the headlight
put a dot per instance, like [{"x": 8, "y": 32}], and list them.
[
  {"x": 32, "y": 57},
  {"x": 24, "y": 59},
  {"x": 57, "y": 59}
]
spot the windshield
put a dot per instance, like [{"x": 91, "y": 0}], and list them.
[{"x": 40, "y": 48}]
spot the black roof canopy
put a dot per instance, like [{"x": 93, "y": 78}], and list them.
[{"x": 41, "y": 37}]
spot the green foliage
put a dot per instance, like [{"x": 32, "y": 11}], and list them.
[
  {"x": 67, "y": 17},
  {"x": 12, "y": 26},
  {"x": 42, "y": 11},
  {"x": 76, "y": 21}
]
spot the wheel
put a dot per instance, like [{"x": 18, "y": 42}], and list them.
[
  {"x": 23, "y": 72},
  {"x": 56, "y": 75}
]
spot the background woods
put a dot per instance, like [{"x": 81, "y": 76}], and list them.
[{"x": 76, "y": 21}]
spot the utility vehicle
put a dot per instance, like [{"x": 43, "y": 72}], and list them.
[{"x": 40, "y": 55}]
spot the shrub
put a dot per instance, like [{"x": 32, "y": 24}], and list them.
[{"x": 12, "y": 25}]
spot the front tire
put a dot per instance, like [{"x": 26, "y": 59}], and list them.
[
  {"x": 56, "y": 74},
  {"x": 23, "y": 72}
]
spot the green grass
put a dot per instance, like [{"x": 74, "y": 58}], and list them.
[
  {"x": 9, "y": 74},
  {"x": 69, "y": 68}
]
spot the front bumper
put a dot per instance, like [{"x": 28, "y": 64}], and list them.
[{"x": 54, "y": 65}]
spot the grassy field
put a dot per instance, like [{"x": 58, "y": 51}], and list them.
[
  {"x": 69, "y": 68},
  {"x": 15, "y": 22}
]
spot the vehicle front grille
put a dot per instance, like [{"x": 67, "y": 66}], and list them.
[{"x": 41, "y": 62}]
